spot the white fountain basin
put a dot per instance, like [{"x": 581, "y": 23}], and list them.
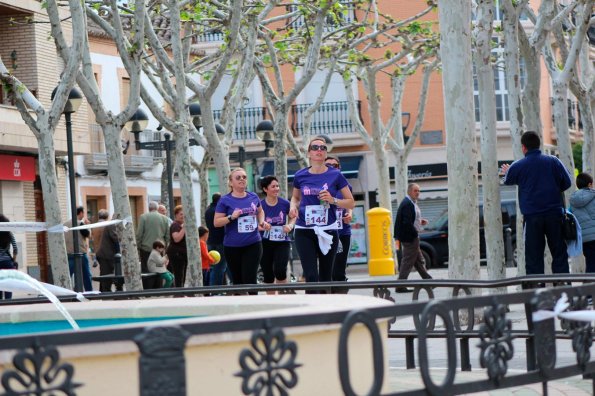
[{"x": 212, "y": 360}]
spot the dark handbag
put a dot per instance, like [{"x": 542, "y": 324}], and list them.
[
  {"x": 569, "y": 227},
  {"x": 568, "y": 223}
]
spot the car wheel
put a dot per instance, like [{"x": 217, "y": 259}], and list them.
[{"x": 427, "y": 259}]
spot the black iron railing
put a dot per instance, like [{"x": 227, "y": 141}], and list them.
[
  {"x": 493, "y": 338},
  {"x": 330, "y": 118},
  {"x": 246, "y": 121}
]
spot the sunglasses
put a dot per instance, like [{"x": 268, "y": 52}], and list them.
[
  {"x": 318, "y": 147},
  {"x": 241, "y": 177},
  {"x": 336, "y": 166}
]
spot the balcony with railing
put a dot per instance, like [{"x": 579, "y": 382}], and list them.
[
  {"x": 247, "y": 119},
  {"x": 133, "y": 161},
  {"x": 209, "y": 37},
  {"x": 330, "y": 118},
  {"x": 346, "y": 18}
]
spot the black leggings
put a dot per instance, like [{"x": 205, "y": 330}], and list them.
[
  {"x": 317, "y": 267},
  {"x": 243, "y": 262},
  {"x": 340, "y": 263},
  {"x": 273, "y": 262}
]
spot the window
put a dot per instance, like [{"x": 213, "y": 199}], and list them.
[
  {"x": 499, "y": 13},
  {"x": 501, "y": 90},
  {"x": 431, "y": 137}
]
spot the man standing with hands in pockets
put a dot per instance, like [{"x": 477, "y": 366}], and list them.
[{"x": 408, "y": 224}]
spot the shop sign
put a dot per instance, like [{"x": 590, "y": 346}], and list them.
[{"x": 15, "y": 167}]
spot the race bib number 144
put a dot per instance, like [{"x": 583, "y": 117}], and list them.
[{"x": 316, "y": 215}]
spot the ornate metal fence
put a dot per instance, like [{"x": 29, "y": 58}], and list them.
[{"x": 39, "y": 367}]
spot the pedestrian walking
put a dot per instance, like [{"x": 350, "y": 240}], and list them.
[
  {"x": 241, "y": 214},
  {"x": 152, "y": 226},
  {"x": 582, "y": 205},
  {"x": 7, "y": 260},
  {"x": 344, "y": 217},
  {"x": 109, "y": 245},
  {"x": 408, "y": 224},
  {"x": 83, "y": 248},
  {"x": 276, "y": 241},
  {"x": 541, "y": 181},
  {"x": 176, "y": 250},
  {"x": 215, "y": 242},
  {"x": 314, "y": 202}
]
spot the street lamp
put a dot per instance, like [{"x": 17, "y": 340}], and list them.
[
  {"x": 72, "y": 104},
  {"x": 406, "y": 118},
  {"x": 139, "y": 121},
  {"x": 264, "y": 133}
]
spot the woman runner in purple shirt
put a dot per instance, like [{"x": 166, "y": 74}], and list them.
[
  {"x": 344, "y": 217},
  {"x": 275, "y": 242},
  {"x": 314, "y": 201},
  {"x": 241, "y": 214}
]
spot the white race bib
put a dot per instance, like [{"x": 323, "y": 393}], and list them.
[
  {"x": 277, "y": 234},
  {"x": 247, "y": 224},
  {"x": 316, "y": 215},
  {"x": 339, "y": 219}
]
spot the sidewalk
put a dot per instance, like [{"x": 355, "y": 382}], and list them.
[{"x": 400, "y": 379}]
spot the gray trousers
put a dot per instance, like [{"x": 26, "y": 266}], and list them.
[{"x": 412, "y": 257}]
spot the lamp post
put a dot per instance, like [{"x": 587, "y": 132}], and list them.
[
  {"x": 264, "y": 133},
  {"x": 72, "y": 104},
  {"x": 139, "y": 121}
]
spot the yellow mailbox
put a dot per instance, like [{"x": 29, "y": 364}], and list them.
[{"x": 381, "y": 243}]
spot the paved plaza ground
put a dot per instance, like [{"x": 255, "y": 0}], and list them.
[{"x": 401, "y": 379}]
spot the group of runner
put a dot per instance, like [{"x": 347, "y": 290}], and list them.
[{"x": 257, "y": 232}]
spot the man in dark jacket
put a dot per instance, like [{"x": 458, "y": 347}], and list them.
[
  {"x": 407, "y": 225},
  {"x": 541, "y": 180},
  {"x": 109, "y": 245},
  {"x": 215, "y": 242}
]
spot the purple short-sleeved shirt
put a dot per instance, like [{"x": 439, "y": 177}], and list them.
[
  {"x": 276, "y": 216},
  {"x": 242, "y": 231},
  {"x": 344, "y": 229},
  {"x": 310, "y": 185}
]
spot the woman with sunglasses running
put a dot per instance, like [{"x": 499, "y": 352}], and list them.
[
  {"x": 275, "y": 242},
  {"x": 314, "y": 201},
  {"x": 241, "y": 214},
  {"x": 344, "y": 229}
]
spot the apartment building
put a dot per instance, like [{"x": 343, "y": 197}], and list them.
[
  {"x": 427, "y": 161},
  {"x": 27, "y": 52}
]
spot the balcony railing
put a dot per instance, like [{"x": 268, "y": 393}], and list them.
[
  {"x": 209, "y": 37},
  {"x": 133, "y": 161},
  {"x": 342, "y": 19},
  {"x": 331, "y": 117},
  {"x": 246, "y": 121}
]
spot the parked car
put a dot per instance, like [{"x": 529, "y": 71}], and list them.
[{"x": 434, "y": 238}]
